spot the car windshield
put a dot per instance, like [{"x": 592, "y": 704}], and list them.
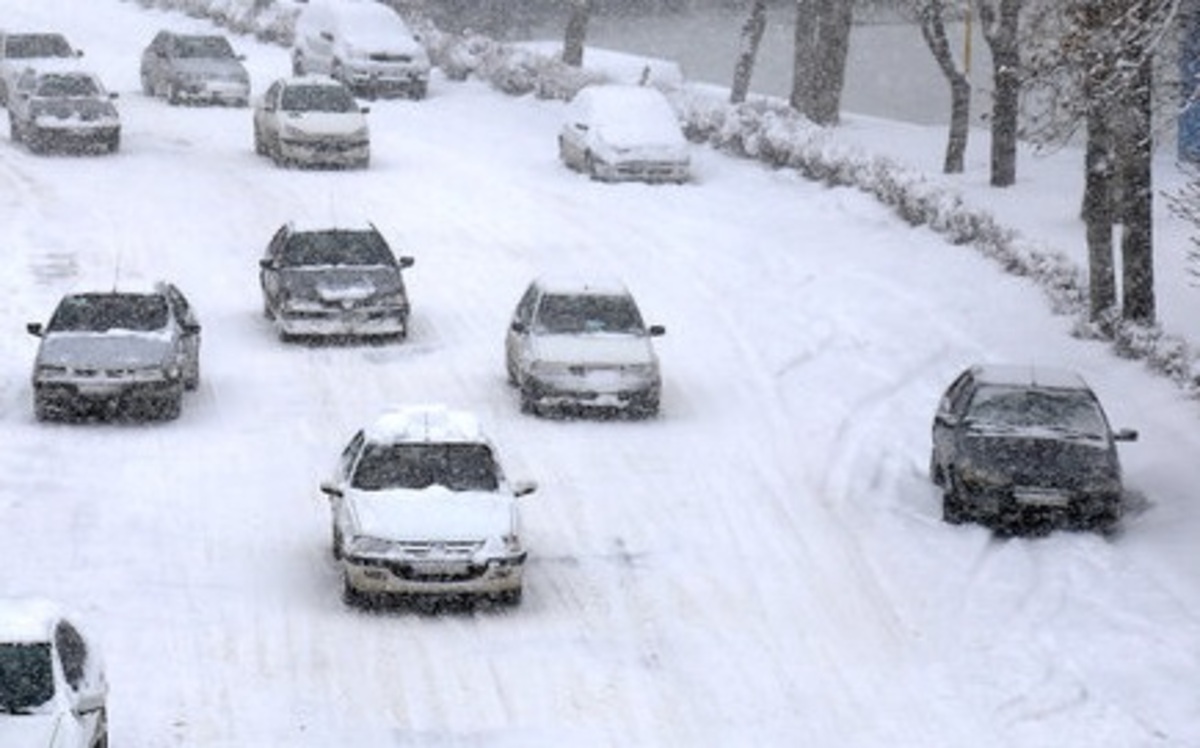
[
  {"x": 318, "y": 99},
  {"x": 458, "y": 467},
  {"x": 37, "y": 45},
  {"x": 1017, "y": 408},
  {"x": 60, "y": 85},
  {"x": 588, "y": 313},
  {"x": 336, "y": 247},
  {"x": 209, "y": 47},
  {"x": 104, "y": 312},
  {"x": 26, "y": 676}
]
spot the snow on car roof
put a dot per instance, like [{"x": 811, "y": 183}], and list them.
[
  {"x": 562, "y": 283},
  {"x": 628, "y": 115},
  {"x": 425, "y": 423},
  {"x": 27, "y": 619},
  {"x": 1029, "y": 375}
]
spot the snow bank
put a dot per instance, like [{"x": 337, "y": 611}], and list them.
[{"x": 766, "y": 130}]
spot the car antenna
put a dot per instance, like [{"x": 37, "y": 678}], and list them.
[{"x": 117, "y": 272}]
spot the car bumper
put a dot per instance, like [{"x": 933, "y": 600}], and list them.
[
  {"x": 387, "y": 83},
  {"x": 326, "y": 152},
  {"x": 75, "y": 139},
  {"x": 643, "y": 171},
  {"x": 339, "y": 323},
  {"x": 377, "y": 576},
  {"x": 593, "y": 393},
  {"x": 1030, "y": 509},
  {"x": 228, "y": 93},
  {"x": 103, "y": 396}
]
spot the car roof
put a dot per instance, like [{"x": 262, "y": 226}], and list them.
[
  {"x": 600, "y": 285},
  {"x": 312, "y": 79},
  {"x": 311, "y": 225},
  {"x": 432, "y": 423},
  {"x": 28, "y": 619},
  {"x": 1028, "y": 375}
]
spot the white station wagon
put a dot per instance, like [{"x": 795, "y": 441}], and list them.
[{"x": 421, "y": 506}]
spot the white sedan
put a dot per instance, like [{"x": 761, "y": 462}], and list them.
[
  {"x": 53, "y": 693},
  {"x": 311, "y": 121}
]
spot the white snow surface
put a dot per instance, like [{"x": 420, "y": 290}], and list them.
[{"x": 762, "y": 564}]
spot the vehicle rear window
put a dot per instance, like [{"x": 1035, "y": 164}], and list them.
[
  {"x": 105, "y": 312},
  {"x": 458, "y": 467},
  {"x": 568, "y": 314},
  {"x": 337, "y": 247}
]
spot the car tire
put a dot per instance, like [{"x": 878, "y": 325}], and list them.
[
  {"x": 589, "y": 165},
  {"x": 954, "y": 510},
  {"x": 510, "y": 598},
  {"x": 528, "y": 401},
  {"x": 169, "y": 408},
  {"x": 260, "y": 148},
  {"x": 42, "y": 411},
  {"x": 335, "y": 545},
  {"x": 114, "y": 145},
  {"x": 173, "y": 96},
  {"x": 351, "y": 596}
]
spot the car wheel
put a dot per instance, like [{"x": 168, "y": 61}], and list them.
[
  {"x": 169, "y": 407},
  {"x": 173, "y": 96},
  {"x": 511, "y": 598},
  {"x": 41, "y": 409},
  {"x": 954, "y": 511},
  {"x": 589, "y": 165},
  {"x": 528, "y": 402},
  {"x": 351, "y": 595},
  {"x": 114, "y": 144},
  {"x": 335, "y": 546}
]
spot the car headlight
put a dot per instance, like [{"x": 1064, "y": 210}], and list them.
[
  {"x": 50, "y": 371},
  {"x": 365, "y": 545},
  {"x": 984, "y": 476},
  {"x": 549, "y": 369},
  {"x": 512, "y": 543},
  {"x": 359, "y": 134}
]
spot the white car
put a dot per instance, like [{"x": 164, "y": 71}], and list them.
[
  {"x": 362, "y": 43},
  {"x": 53, "y": 693},
  {"x": 618, "y": 132},
  {"x": 63, "y": 109},
  {"x": 312, "y": 121},
  {"x": 21, "y": 51},
  {"x": 421, "y": 506},
  {"x": 185, "y": 68},
  {"x": 582, "y": 343}
]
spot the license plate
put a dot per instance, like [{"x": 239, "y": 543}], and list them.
[{"x": 1042, "y": 497}]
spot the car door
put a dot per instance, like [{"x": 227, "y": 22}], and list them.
[
  {"x": 84, "y": 678},
  {"x": 573, "y": 136},
  {"x": 189, "y": 335},
  {"x": 265, "y": 114},
  {"x": 341, "y": 481},
  {"x": 516, "y": 340},
  {"x": 947, "y": 420}
]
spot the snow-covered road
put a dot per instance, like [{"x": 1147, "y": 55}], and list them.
[{"x": 763, "y": 564}]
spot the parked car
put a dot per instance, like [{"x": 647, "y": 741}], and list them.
[
  {"x": 67, "y": 110},
  {"x": 339, "y": 282},
  {"x": 421, "y": 505},
  {"x": 618, "y": 132},
  {"x": 362, "y": 43},
  {"x": 582, "y": 343},
  {"x": 53, "y": 691},
  {"x": 313, "y": 121},
  {"x": 1025, "y": 448},
  {"x": 21, "y": 51},
  {"x": 203, "y": 68},
  {"x": 117, "y": 353}
]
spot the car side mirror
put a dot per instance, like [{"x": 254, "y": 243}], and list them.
[
  {"x": 365, "y": 109},
  {"x": 331, "y": 490},
  {"x": 1126, "y": 435},
  {"x": 581, "y": 127},
  {"x": 518, "y": 326},
  {"x": 266, "y": 263},
  {"x": 113, "y": 95},
  {"x": 524, "y": 487},
  {"x": 88, "y": 701},
  {"x": 34, "y": 329},
  {"x": 657, "y": 330},
  {"x": 327, "y": 36},
  {"x": 407, "y": 262},
  {"x": 191, "y": 328}
]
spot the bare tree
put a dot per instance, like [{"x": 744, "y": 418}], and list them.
[
  {"x": 1001, "y": 30},
  {"x": 576, "y": 33},
  {"x": 931, "y": 17},
  {"x": 752, "y": 33},
  {"x": 819, "y": 66}
]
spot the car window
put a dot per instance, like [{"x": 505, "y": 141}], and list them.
[
  {"x": 587, "y": 313},
  {"x": 203, "y": 47},
  {"x": 1075, "y": 411},
  {"x": 458, "y": 467},
  {"x": 37, "y": 45},
  {"x": 73, "y": 652},
  {"x": 52, "y": 85},
  {"x": 524, "y": 311},
  {"x": 303, "y": 98},
  {"x": 104, "y": 312},
  {"x": 26, "y": 675},
  {"x": 336, "y": 247},
  {"x": 349, "y": 453}
]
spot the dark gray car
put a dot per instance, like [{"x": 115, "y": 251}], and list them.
[
  {"x": 334, "y": 282},
  {"x": 186, "y": 68},
  {"x": 116, "y": 353},
  {"x": 1024, "y": 449}
]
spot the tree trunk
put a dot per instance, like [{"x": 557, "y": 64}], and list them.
[
  {"x": 1000, "y": 27},
  {"x": 752, "y": 33},
  {"x": 1097, "y": 214},
  {"x": 933, "y": 28},
  {"x": 819, "y": 69},
  {"x": 576, "y": 35},
  {"x": 1137, "y": 240}
]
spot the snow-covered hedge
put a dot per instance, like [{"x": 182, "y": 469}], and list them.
[{"x": 768, "y": 131}]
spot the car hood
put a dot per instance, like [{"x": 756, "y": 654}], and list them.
[
  {"x": 128, "y": 350},
  {"x": 334, "y": 284},
  {"x": 434, "y": 513},
  {"x": 32, "y": 730},
  {"x": 215, "y": 67},
  {"x": 326, "y": 123},
  {"x": 1041, "y": 459},
  {"x": 598, "y": 348}
]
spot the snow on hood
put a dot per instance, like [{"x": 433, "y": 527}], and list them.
[
  {"x": 341, "y": 283},
  {"x": 30, "y": 730},
  {"x": 326, "y": 123},
  {"x": 385, "y": 38},
  {"x": 434, "y": 513},
  {"x": 597, "y": 348},
  {"x": 104, "y": 350}
]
